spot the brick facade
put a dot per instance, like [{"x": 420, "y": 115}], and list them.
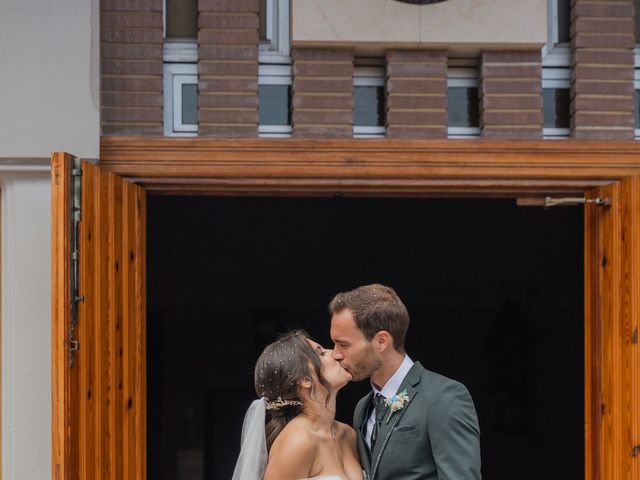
[
  {"x": 228, "y": 68},
  {"x": 602, "y": 61},
  {"x": 416, "y": 103},
  {"x": 511, "y": 94},
  {"x": 322, "y": 92},
  {"x": 131, "y": 67}
]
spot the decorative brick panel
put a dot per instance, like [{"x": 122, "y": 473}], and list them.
[
  {"x": 416, "y": 102},
  {"x": 131, "y": 67},
  {"x": 511, "y": 94},
  {"x": 602, "y": 91},
  {"x": 228, "y": 68},
  {"x": 322, "y": 93}
]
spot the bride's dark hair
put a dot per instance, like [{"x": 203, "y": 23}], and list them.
[{"x": 279, "y": 369}]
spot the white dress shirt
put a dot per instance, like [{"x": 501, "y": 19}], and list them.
[{"x": 388, "y": 390}]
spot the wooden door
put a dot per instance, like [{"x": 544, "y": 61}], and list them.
[
  {"x": 99, "y": 389},
  {"x": 612, "y": 308}
]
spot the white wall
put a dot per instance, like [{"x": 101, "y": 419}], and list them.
[
  {"x": 49, "y": 101},
  {"x": 26, "y": 321},
  {"x": 49, "y": 74}
]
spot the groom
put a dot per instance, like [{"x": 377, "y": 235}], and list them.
[{"x": 414, "y": 424}]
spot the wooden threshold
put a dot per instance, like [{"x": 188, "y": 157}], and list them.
[{"x": 385, "y": 167}]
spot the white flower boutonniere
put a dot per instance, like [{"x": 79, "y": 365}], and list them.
[{"x": 397, "y": 402}]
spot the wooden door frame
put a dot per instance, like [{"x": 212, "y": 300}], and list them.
[{"x": 386, "y": 167}]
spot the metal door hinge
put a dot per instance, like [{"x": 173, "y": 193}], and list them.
[
  {"x": 548, "y": 202},
  {"x": 76, "y": 218}
]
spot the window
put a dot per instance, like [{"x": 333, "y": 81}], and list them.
[
  {"x": 636, "y": 85},
  {"x": 180, "y": 19},
  {"x": 274, "y": 101},
  {"x": 556, "y": 52},
  {"x": 636, "y": 4},
  {"x": 180, "y": 72},
  {"x": 463, "y": 103},
  {"x": 368, "y": 102},
  {"x": 180, "y": 99},
  {"x": 556, "y": 102},
  {"x": 274, "y": 31}
]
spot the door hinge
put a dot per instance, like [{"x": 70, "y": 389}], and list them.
[
  {"x": 76, "y": 217},
  {"x": 634, "y": 335},
  {"x": 548, "y": 202}
]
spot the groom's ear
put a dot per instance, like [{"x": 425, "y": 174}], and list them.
[{"x": 383, "y": 340}]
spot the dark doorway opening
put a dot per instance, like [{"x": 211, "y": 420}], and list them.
[{"x": 495, "y": 294}]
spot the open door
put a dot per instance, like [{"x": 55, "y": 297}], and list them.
[
  {"x": 612, "y": 314},
  {"x": 98, "y": 317}
]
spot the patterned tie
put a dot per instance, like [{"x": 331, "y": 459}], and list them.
[{"x": 380, "y": 409}]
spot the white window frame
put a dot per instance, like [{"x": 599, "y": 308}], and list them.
[
  {"x": 271, "y": 74},
  {"x": 174, "y": 76},
  {"x": 462, "y": 77},
  {"x": 368, "y": 76},
  {"x": 276, "y": 48},
  {"x": 555, "y": 78},
  {"x": 554, "y": 54}
]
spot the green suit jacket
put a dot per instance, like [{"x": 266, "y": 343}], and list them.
[{"x": 434, "y": 436}]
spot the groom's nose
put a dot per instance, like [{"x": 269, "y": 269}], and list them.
[{"x": 337, "y": 355}]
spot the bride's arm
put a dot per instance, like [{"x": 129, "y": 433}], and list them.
[{"x": 292, "y": 455}]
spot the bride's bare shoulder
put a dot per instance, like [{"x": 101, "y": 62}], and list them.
[{"x": 292, "y": 453}]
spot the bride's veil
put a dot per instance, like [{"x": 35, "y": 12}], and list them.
[{"x": 253, "y": 457}]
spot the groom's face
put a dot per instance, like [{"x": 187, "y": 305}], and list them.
[{"x": 355, "y": 353}]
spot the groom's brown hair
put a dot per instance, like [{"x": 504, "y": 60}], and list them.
[{"x": 375, "y": 307}]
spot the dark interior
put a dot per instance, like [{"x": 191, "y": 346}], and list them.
[{"x": 494, "y": 292}]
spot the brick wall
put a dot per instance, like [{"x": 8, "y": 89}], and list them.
[
  {"x": 228, "y": 68},
  {"x": 131, "y": 67},
  {"x": 322, "y": 92},
  {"x": 602, "y": 41},
  {"x": 511, "y": 94},
  {"x": 416, "y": 102}
]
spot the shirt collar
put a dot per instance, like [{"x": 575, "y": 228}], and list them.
[{"x": 393, "y": 384}]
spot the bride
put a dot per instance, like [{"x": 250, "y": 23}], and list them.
[{"x": 290, "y": 433}]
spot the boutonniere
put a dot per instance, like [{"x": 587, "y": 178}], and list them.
[{"x": 397, "y": 402}]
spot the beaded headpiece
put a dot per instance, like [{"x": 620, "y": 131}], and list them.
[{"x": 280, "y": 403}]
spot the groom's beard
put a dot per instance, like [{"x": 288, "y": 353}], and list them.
[{"x": 366, "y": 367}]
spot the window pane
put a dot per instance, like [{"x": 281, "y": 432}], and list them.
[
  {"x": 368, "y": 106},
  {"x": 263, "y": 20},
  {"x": 182, "y": 18},
  {"x": 564, "y": 21},
  {"x": 189, "y": 104},
  {"x": 637, "y": 5},
  {"x": 463, "y": 107},
  {"x": 273, "y": 101},
  {"x": 555, "y": 107},
  {"x": 637, "y": 108}
]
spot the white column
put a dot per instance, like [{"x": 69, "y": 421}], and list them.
[{"x": 26, "y": 320}]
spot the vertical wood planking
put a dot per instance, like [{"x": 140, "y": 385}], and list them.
[
  {"x": 60, "y": 315},
  {"x": 139, "y": 360},
  {"x": 86, "y": 329},
  {"x": 593, "y": 344},
  {"x": 100, "y": 404},
  {"x": 630, "y": 313},
  {"x": 612, "y": 303},
  {"x": 635, "y": 325}
]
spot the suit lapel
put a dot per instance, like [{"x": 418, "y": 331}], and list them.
[
  {"x": 360, "y": 420},
  {"x": 386, "y": 429}
]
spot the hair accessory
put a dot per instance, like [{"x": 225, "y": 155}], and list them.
[{"x": 280, "y": 403}]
